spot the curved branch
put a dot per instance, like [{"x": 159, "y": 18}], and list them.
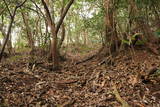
[
  {"x": 47, "y": 11},
  {"x": 63, "y": 15}
]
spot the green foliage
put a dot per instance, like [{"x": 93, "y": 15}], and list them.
[
  {"x": 20, "y": 44},
  {"x": 132, "y": 38},
  {"x": 95, "y": 23}
]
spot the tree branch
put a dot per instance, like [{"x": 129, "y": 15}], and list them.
[
  {"x": 47, "y": 11},
  {"x": 29, "y": 8},
  {"x": 1, "y": 11},
  {"x": 38, "y": 8},
  {"x": 7, "y": 8},
  {"x": 19, "y": 5},
  {"x": 63, "y": 15}
]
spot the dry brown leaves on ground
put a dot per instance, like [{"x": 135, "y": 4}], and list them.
[{"x": 90, "y": 84}]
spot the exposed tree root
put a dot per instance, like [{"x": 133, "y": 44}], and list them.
[
  {"x": 103, "y": 52},
  {"x": 119, "y": 98},
  {"x": 90, "y": 57},
  {"x": 86, "y": 59}
]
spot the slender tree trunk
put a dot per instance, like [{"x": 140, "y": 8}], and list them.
[
  {"x": 38, "y": 29},
  {"x": 10, "y": 25},
  {"x": 85, "y": 37},
  {"x": 40, "y": 36},
  {"x": 9, "y": 46},
  {"x": 8, "y": 33},
  {"x": 28, "y": 30},
  {"x": 46, "y": 33},
  {"x": 51, "y": 24},
  {"x": 63, "y": 34}
]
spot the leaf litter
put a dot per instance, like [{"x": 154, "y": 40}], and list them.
[{"x": 128, "y": 82}]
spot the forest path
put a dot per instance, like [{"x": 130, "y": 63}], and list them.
[{"x": 86, "y": 84}]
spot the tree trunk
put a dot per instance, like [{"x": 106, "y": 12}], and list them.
[
  {"x": 10, "y": 25},
  {"x": 8, "y": 33},
  {"x": 111, "y": 39},
  {"x": 85, "y": 37},
  {"x": 62, "y": 36},
  {"x": 54, "y": 30},
  {"x": 62, "y": 27},
  {"x": 51, "y": 24},
  {"x": 9, "y": 44},
  {"x": 46, "y": 34},
  {"x": 28, "y": 30}
]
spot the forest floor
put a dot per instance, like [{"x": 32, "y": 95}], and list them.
[{"x": 128, "y": 81}]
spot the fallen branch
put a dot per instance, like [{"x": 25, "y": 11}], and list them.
[{"x": 119, "y": 98}]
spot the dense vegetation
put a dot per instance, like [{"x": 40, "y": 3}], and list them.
[{"x": 104, "y": 47}]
